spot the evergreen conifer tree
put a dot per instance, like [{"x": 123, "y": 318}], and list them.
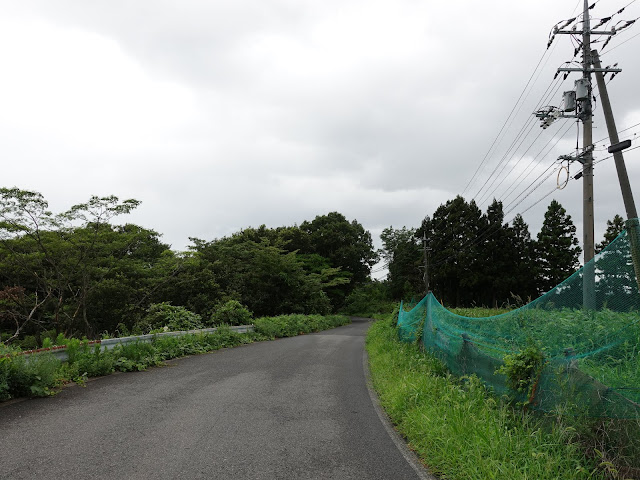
[
  {"x": 455, "y": 268},
  {"x": 403, "y": 253},
  {"x": 524, "y": 268},
  {"x": 557, "y": 247},
  {"x": 497, "y": 254},
  {"x": 614, "y": 228}
]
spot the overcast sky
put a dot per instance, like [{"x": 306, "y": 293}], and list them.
[{"x": 224, "y": 114}]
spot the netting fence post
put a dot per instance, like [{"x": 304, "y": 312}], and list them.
[{"x": 427, "y": 319}]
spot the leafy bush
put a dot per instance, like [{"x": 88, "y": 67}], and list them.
[
  {"x": 368, "y": 300},
  {"x": 5, "y": 393},
  {"x": 175, "y": 318},
  {"x": 94, "y": 362},
  {"x": 523, "y": 369},
  {"x": 135, "y": 356},
  {"x": 231, "y": 313},
  {"x": 292, "y": 325},
  {"x": 22, "y": 378}
]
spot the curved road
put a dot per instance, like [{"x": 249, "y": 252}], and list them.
[{"x": 295, "y": 408}]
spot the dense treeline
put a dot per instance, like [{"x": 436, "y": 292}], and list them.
[
  {"x": 477, "y": 258},
  {"x": 76, "y": 273}
]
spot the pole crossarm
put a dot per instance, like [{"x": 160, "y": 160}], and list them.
[
  {"x": 593, "y": 32},
  {"x": 590, "y": 70},
  {"x": 577, "y": 158},
  {"x": 560, "y": 115}
]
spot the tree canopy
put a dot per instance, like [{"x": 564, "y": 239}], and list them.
[
  {"x": 76, "y": 273},
  {"x": 477, "y": 258}
]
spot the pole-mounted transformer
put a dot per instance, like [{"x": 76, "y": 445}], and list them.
[
  {"x": 582, "y": 89},
  {"x": 569, "y": 101}
]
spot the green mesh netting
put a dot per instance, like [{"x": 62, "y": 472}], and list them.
[{"x": 590, "y": 337}]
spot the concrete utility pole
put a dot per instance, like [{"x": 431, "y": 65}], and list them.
[
  {"x": 584, "y": 112},
  {"x": 633, "y": 228},
  {"x": 625, "y": 186},
  {"x": 589, "y": 278},
  {"x": 426, "y": 251}
]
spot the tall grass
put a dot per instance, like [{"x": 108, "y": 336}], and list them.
[
  {"x": 291, "y": 325},
  {"x": 459, "y": 429}
]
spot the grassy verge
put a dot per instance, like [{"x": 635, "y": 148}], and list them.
[
  {"x": 43, "y": 374},
  {"x": 461, "y": 431},
  {"x": 292, "y": 325}
]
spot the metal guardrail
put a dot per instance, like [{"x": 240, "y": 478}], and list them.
[{"x": 60, "y": 351}]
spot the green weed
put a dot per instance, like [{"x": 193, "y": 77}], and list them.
[
  {"x": 459, "y": 429},
  {"x": 43, "y": 374}
]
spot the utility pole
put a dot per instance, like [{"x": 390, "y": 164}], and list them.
[
  {"x": 580, "y": 102},
  {"x": 633, "y": 228},
  {"x": 426, "y": 251},
  {"x": 589, "y": 277},
  {"x": 625, "y": 186}
]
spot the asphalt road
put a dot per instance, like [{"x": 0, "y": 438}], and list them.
[{"x": 295, "y": 408}]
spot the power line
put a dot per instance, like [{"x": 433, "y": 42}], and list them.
[
  {"x": 485, "y": 196},
  {"x": 506, "y": 121},
  {"x": 619, "y": 131},
  {"x": 501, "y": 166},
  {"x": 530, "y": 122},
  {"x": 483, "y": 234},
  {"x": 534, "y": 188},
  {"x": 618, "y": 45},
  {"x": 531, "y": 168},
  {"x": 519, "y": 134}
]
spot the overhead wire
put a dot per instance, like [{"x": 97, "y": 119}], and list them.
[
  {"x": 618, "y": 45},
  {"x": 529, "y": 191},
  {"x": 531, "y": 168},
  {"x": 488, "y": 230},
  {"x": 471, "y": 214},
  {"x": 483, "y": 234},
  {"x": 518, "y": 106},
  {"x": 549, "y": 93},
  {"x": 531, "y": 121},
  {"x": 487, "y": 194},
  {"x": 509, "y": 118},
  {"x": 611, "y": 156}
]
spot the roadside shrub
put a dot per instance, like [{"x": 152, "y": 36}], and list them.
[
  {"x": 42, "y": 374},
  {"x": 94, "y": 362},
  {"x": 292, "y": 325},
  {"x": 368, "y": 300},
  {"x": 523, "y": 369},
  {"x": 5, "y": 394},
  {"x": 135, "y": 357},
  {"x": 37, "y": 377},
  {"x": 231, "y": 313},
  {"x": 175, "y": 318}
]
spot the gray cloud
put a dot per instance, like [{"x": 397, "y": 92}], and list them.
[{"x": 220, "y": 115}]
